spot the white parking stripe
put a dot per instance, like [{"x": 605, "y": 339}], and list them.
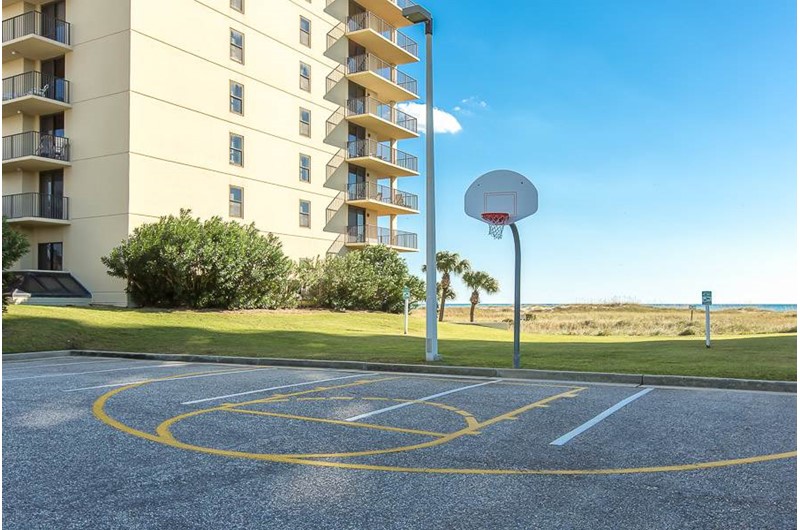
[
  {"x": 600, "y": 417},
  {"x": 37, "y": 366},
  {"x": 166, "y": 380},
  {"x": 173, "y": 365},
  {"x": 273, "y": 388},
  {"x": 428, "y": 398}
]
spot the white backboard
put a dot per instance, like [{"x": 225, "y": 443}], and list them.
[{"x": 501, "y": 191}]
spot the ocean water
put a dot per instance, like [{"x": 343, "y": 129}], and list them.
[{"x": 714, "y": 307}]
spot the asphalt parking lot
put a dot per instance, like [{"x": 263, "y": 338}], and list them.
[{"x": 115, "y": 443}]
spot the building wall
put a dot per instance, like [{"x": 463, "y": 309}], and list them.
[
  {"x": 98, "y": 70},
  {"x": 181, "y": 79},
  {"x": 150, "y": 122}
]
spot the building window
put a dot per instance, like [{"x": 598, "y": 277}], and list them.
[
  {"x": 305, "y": 214},
  {"x": 305, "y": 168},
  {"x": 237, "y": 98},
  {"x": 305, "y": 32},
  {"x": 237, "y": 46},
  {"x": 236, "y": 202},
  {"x": 305, "y": 77},
  {"x": 237, "y": 150},
  {"x": 305, "y": 122},
  {"x": 51, "y": 256},
  {"x": 238, "y": 5}
]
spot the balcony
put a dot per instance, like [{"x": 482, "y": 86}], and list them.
[
  {"x": 389, "y": 10},
  {"x": 381, "y": 199},
  {"x": 31, "y": 151},
  {"x": 35, "y": 36},
  {"x": 376, "y": 35},
  {"x": 385, "y": 121},
  {"x": 363, "y": 235},
  {"x": 384, "y": 80},
  {"x": 36, "y": 209},
  {"x": 34, "y": 93},
  {"x": 381, "y": 158}
]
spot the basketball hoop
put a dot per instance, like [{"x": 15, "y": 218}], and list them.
[
  {"x": 500, "y": 198},
  {"x": 497, "y": 221}
]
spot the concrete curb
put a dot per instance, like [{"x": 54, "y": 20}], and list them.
[
  {"x": 10, "y": 357},
  {"x": 716, "y": 382},
  {"x": 544, "y": 375}
]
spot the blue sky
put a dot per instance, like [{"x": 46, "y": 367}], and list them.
[{"x": 661, "y": 137}]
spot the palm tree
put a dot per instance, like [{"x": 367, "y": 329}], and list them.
[
  {"x": 479, "y": 281},
  {"x": 447, "y": 263}
]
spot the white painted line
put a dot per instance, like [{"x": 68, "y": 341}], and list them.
[
  {"x": 273, "y": 388},
  {"x": 164, "y": 380},
  {"x": 65, "y": 364},
  {"x": 428, "y": 398},
  {"x": 173, "y": 365},
  {"x": 600, "y": 417}
]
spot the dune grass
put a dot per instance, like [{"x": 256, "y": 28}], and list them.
[
  {"x": 378, "y": 337},
  {"x": 635, "y": 320}
]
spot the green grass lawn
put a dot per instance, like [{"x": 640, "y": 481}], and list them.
[{"x": 379, "y": 337}]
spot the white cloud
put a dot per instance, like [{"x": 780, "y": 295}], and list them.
[
  {"x": 471, "y": 104},
  {"x": 443, "y": 122}
]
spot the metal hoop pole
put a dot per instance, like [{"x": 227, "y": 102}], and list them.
[{"x": 517, "y": 268}]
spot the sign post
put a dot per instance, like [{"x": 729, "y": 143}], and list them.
[
  {"x": 406, "y": 296},
  {"x": 707, "y": 303}
]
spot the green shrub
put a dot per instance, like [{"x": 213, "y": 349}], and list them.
[
  {"x": 15, "y": 245},
  {"x": 371, "y": 279},
  {"x": 185, "y": 262}
]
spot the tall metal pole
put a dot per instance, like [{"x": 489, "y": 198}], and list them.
[
  {"x": 708, "y": 326},
  {"x": 517, "y": 268},
  {"x": 431, "y": 331}
]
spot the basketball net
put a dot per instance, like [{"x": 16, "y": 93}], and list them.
[{"x": 497, "y": 221}]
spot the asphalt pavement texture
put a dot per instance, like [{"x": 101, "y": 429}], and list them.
[{"x": 115, "y": 443}]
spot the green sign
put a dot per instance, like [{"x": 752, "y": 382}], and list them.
[
  {"x": 406, "y": 293},
  {"x": 706, "y": 297}
]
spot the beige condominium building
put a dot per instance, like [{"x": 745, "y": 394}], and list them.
[{"x": 277, "y": 112}]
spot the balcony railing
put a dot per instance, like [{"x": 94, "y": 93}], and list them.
[
  {"x": 369, "y": 20},
  {"x": 399, "y": 3},
  {"x": 369, "y": 234},
  {"x": 36, "y": 84},
  {"x": 362, "y": 148},
  {"x": 33, "y": 143},
  {"x": 363, "y": 191},
  {"x": 370, "y": 63},
  {"x": 367, "y": 105},
  {"x": 35, "y": 23},
  {"x": 35, "y": 205}
]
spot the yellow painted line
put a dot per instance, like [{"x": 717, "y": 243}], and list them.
[
  {"x": 300, "y": 393},
  {"x": 336, "y": 398},
  {"x": 163, "y": 431},
  {"x": 338, "y": 422},
  {"x": 99, "y": 412},
  {"x": 469, "y": 418},
  {"x": 99, "y": 406},
  {"x": 607, "y": 471}
]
